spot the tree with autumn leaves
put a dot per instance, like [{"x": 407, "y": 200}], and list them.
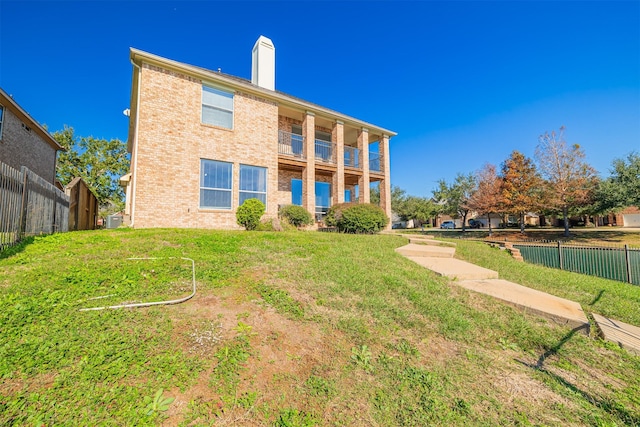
[
  {"x": 569, "y": 181},
  {"x": 521, "y": 187},
  {"x": 487, "y": 198}
]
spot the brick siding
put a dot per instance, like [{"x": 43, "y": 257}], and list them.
[{"x": 19, "y": 147}]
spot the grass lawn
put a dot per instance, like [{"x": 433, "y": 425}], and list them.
[{"x": 286, "y": 329}]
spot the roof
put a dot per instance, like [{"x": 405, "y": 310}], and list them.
[
  {"x": 7, "y": 101},
  {"x": 138, "y": 57}
]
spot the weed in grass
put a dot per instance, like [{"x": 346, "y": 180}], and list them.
[
  {"x": 361, "y": 356},
  {"x": 158, "y": 403},
  {"x": 320, "y": 387},
  {"x": 295, "y": 418},
  {"x": 506, "y": 345},
  {"x": 405, "y": 347}
]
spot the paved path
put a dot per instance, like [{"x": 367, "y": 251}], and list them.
[
  {"x": 437, "y": 256},
  {"x": 625, "y": 335},
  {"x": 431, "y": 255}
]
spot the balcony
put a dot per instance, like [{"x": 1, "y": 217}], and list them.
[
  {"x": 291, "y": 144},
  {"x": 374, "y": 162},
  {"x": 325, "y": 151},
  {"x": 351, "y": 157}
]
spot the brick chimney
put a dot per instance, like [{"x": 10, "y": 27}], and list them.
[{"x": 263, "y": 63}]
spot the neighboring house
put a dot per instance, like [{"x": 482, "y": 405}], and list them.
[
  {"x": 23, "y": 142},
  {"x": 202, "y": 142}
]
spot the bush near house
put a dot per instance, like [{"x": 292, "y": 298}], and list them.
[
  {"x": 356, "y": 218},
  {"x": 296, "y": 215},
  {"x": 249, "y": 213}
]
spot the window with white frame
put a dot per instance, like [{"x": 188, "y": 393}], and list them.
[
  {"x": 217, "y": 107},
  {"x": 253, "y": 184},
  {"x": 1, "y": 120},
  {"x": 215, "y": 184}
]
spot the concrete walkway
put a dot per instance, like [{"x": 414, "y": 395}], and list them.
[{"x": 438, "y": 257}]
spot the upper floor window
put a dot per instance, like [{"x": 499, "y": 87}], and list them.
[
  {"x": 217, "y": 107},
  {"x": 253, "y": 184},
  {"x": 1, "y": 120},
  {"x": 215, "y": 184}
]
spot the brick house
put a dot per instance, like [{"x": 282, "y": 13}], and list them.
[
  {"x": 23, "y": 142},
  {"x": 202, "y": 142}
]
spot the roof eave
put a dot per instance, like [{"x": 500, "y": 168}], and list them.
[{"x": 6, "y": 100}]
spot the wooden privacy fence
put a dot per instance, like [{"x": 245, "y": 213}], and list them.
[
  {"x": 29, "y": 205},
  {"x": 620, "y": 263}
]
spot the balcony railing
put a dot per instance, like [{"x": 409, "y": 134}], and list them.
[
  {"x": 291, "y": 144},
  {"x": 325, "y": 151},
  {"x": 351, "y": 157},
  {"x": 374, "y": 162}
]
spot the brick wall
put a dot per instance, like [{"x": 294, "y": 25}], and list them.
[
  {"x": 19, "y": 147},
  {"x": 172, "y": 140}
]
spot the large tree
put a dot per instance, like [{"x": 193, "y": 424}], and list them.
[
  {"x": 570, "y": 181},
  {"x": 487, "y": 197},
  {"x": 454, "y": 198},
  {"x": 99, "y": 162},
  {"x": 521, "y": 186},
  {"x": 626, "y": 177}
]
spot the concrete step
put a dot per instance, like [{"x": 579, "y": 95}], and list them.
[
  {"x": 430, "y": 242},
  {"x": 625, "y": 335},
  {"x": 454, "y": 268},
  {"x": 559, "y": 310},
  {"x": 415, "y": 250}
]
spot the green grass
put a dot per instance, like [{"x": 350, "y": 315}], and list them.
[{"x": 294, "y": 328}]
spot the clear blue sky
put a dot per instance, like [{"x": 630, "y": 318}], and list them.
[{"x": 462, "y": 83}]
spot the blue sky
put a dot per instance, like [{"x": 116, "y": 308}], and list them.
[{"x": 462, "y": 83}]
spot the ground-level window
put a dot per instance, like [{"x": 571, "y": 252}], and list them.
[
  {"x": 253, "y": 184},
  {"x": 323, "y": 197},
  {"x": 215, "y": 184},
  {"x": 347, "y": 196},
  {"x": 217, "y": 107},
  {"x": 296, "y": 192}
]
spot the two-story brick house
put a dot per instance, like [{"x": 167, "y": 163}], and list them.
[
  {"x": 23, "y": 142},
  {"x": 202, "y": 142}
]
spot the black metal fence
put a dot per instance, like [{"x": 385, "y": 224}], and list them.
[
  {"x": 29, "y": 205},
  {"x": 620, "y": 263}
]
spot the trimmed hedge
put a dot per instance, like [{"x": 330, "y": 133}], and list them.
[
  {"x": 356, "y": 218},
  {"x": 296, "y": 215},
  {"x": 249, "y": 214}
]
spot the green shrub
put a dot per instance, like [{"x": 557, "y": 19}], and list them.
[
  {"x": 249, "y": 214},
  {"x": 296, "y": 215},
  {"x": 356, "y": 218}
]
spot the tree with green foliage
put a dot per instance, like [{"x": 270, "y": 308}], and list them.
[
  {"x": 100, "y": 164},
  {"x": 625, "y": 176},
  {"x": 454, "y": 198},
  {"x": 249, "y": 213},
  {"x": 570, "y": 181},
  {"x": 521, "y": 186},
  {"x": 486, "y": 199}
]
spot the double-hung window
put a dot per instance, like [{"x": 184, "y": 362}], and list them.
[
  {"x": 253, "y": 184},
  {"x": 215, "y": 184},
  {"x": 217, "y": 107}
]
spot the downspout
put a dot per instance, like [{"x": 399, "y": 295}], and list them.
[{"x": 135, "y": 149}]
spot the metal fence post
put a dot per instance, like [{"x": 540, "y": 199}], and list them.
[
  {"x": 627, "y": 262},
  {"x": 560, "y": 255}
]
